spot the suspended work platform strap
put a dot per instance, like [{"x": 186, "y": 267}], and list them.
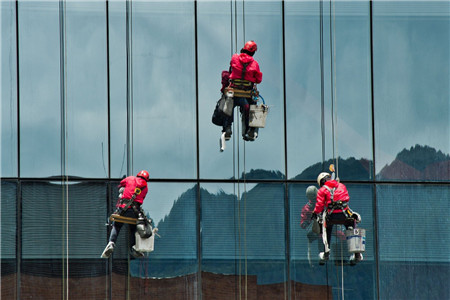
[
  {"x": 242, "y": 88},
  {"x": 122, "y": 219}
]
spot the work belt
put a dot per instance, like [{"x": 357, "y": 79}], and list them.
[
  {"x": 242, "y": 88},
  {"x": 340, "y": 205}
]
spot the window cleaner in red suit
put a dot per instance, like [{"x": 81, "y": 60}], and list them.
[{"x": 332, "y": 206}]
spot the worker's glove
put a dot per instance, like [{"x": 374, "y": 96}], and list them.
[{"x": 357, "y": 217}]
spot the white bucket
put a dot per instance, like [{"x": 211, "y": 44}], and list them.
[
  {"x": 356, "y": 240},
  {"x": 258, "y": 115},
  {"x": 226, "y": 104},
  {"x": 145, "y": 245}
]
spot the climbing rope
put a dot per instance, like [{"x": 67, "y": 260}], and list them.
[
  {"x": 242, "y": 228},
  {"x": 333, "y": 85},
  {"x": 332, "y": 23},
  {"x": 64, "y": 153}
]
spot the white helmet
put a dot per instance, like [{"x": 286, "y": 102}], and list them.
[
  {"x": 321, "y": 177},
  {"x": 311, "y": 193}
]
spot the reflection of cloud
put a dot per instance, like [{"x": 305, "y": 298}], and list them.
[{"x": 411, "y": 87}]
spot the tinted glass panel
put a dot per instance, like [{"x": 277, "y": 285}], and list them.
[
  {"x": 118, "y": 87},
  {"x": 214, "y": 52},
  {"x": 8, "y": 244},
  {"x": 338, "y": 275},
  {"x": 39, "y": 69},
  {"x": 263, "y": 24},
  {"x": 241, "y": 243},
  {"x": 8, "y": 105},
  {"x": 341, "y": 125},
  {"x": 412, "y": 107},
  {"x": 163, "y": 88},
  {"x": 172, "y": 207},
  {"x": 87, "y": 127},
  {"x": 410, "y": 253}
]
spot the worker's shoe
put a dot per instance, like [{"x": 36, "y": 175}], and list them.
[
  {"x": 323, "y": 256},
  {"x": 252, "y": 134},
  {"x": 135, "y": 253},
  {"x": 355, "y": 258},
  {"x": 228, "y": 133},
  {"x": 108, "y": 250}
]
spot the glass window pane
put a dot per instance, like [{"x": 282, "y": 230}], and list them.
[
  {"x": 303, "y": 78},
  {"x": 8, "y": 105},
  {"x": 217, "y": 38},
  {"x": 263, "y": 24},
  {"x": 413, "y": 243},
  {"x": 43, "y": 237},
  {"x": 86, "y": 90},
  {"x": 411, "y": 87},
  {"x": 163, "y": 88},
  {"x": 244, "y": 236},
  {"x": 8, "y": 231},
  {"x": 214, "y": 52},
  {"x": 40, "y": 114},
  {"x": 346, "y": 84},
  {"x": 63, "y": 234},
  {"x": 118, "y": 87},
  {"x": 172, "y": 208},
  {"x": 311, "y": 279}
]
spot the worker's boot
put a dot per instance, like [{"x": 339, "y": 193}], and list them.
[
  {"x": 108, "y": 250},
  {"x": 252, "y": 134},
  {"x": 228, "y": 133},
  {"x": 135, "y": 253},
  {"x": 323, "y": 256},
  {"x": 356, "y": 258}
]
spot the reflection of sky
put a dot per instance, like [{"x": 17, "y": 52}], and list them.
[{"x": 411, "y": 85}]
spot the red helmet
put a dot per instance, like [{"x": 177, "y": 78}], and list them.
[
  {"x": 143, "y": 174},
  {"x": 250, "y": 46}
]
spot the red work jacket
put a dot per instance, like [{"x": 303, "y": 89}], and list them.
[
  {"x": 131, "y": 183},
  {"x": 252, "y": 72},
  {"x": 324, "y": 196}
]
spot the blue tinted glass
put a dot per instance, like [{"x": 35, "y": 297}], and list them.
[
  {"x": 411, "y": 89},
  {"x": 39, "y": 69},
  {"x": 172, "y": 207},
  {"x": 43, "y": 201},
  {"x": 163, "y": 88},
  {"x": 243, "y": 231},
  {"x": 8, "y": 233},
  {"x": 263, "y": 19},
  {"x": 217, "y": 42},
  {"x": 306, "y": 245},
  {"x": 303, "y": 89},
  {"x": 413, "y": 242},
  {"x": 8, "y": 220},
  {"x": 118, "y": 88},
  {"x": 344, "y": 120},
  {"x": 8, "y": 105},
  {"x": 214, "y": 52},
  {"x": 86, "y": 89}
]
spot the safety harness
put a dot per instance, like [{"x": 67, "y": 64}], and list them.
[
  {"x": 242, "y": 87},
  {"x": 334, "y": 205},
  {"x": 118, "y": 214}
]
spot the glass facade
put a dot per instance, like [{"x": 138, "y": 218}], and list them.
[{"x": 96, "y": 90}]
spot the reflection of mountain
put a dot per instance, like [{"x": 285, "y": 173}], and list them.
[
  {"x": 350, "y": 169},
  {"x": 418, "y": 163},
  {"x": 260, "y": 174},
  {"x": 254, "y": 225},
  {"x": 220, "y": 210}
]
